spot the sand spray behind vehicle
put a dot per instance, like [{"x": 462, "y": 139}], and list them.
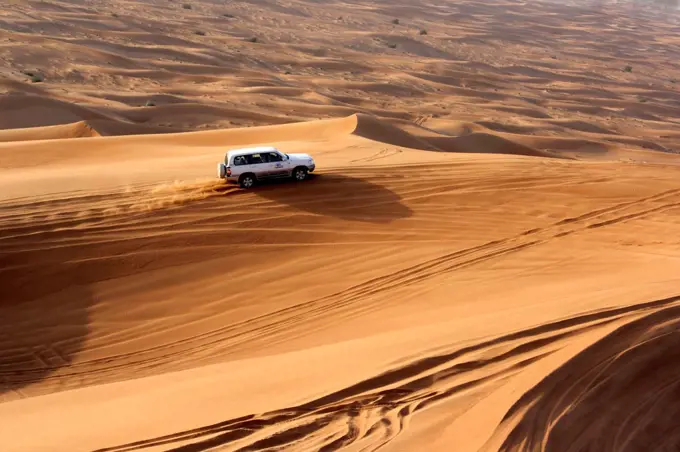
[
  {"x": 75, "y": 210},
  {"x": 167, "y": 194},
  {"x": 181, "y": 192}
]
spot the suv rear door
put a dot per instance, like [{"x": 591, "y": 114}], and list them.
[
  {"x": 258, "y": 165},
  {"x": 240, "y": 164}
]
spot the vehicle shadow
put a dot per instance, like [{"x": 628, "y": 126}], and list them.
[
  {"x": 337, "y": 196},
  {"x": 44, "y": 310}
]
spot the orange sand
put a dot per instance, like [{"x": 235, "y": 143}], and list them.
[{"x": 488, "y": 258}]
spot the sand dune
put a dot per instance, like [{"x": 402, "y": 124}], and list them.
[
  {"x": 647, "y": 341},
  {"x": 486, "y": 258},
  {"x": 463, "y": 61},
  {"x": 76, "y": 130},
  {"x": 33, "y": 110},
  {"x": 139, "y": 289}
]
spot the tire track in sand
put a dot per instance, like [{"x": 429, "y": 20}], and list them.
[
  {"x": 271, "y": 324},
  {"x": 274, "y": 326},
  {"x": 373, "y": 412}
]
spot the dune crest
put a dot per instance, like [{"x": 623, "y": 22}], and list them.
[
  {"x": 361, "y": 125},
  {"x": 79, "y": 129}
]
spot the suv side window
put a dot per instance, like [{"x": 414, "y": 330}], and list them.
[
  {"x": 240, "y": 160},
  {"x": 275, "y": 157},
  {"x": 255, "y": 159}
]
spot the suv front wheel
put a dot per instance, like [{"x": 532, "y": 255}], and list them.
[{"x": 300, "y": 173}]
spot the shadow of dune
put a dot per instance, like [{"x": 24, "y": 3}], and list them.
[
  {"x": 474, "y": 143},
  {"x": 486, "y": 143},
  {"x": 338, "y": 196},
  {"x": 29, "y": 111},
  {"x": 620, "y": 394},
  {"x": 43, "y": 317},
  {"x": 382, "y": 131}
]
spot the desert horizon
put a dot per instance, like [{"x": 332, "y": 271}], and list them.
[{"x": 484, "y": 258}]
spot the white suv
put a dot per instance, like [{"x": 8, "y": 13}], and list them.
[{"x": 247, "y": 166}]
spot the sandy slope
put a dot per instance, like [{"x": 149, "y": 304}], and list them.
[
  {"x": 402, "y": 297},
  {"x": 486, "y": 260}
]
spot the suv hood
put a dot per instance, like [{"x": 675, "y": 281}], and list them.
[{"x": 300, "y": 157}]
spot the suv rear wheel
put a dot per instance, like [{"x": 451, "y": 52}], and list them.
[{"x": 246, "y": 180}]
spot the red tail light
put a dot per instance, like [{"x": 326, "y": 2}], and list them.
[{"x": 228, "y": 171}]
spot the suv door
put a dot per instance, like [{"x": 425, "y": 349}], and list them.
[
  {"x": 258, "y": 165},
  {"x": 277, "y": 165}
]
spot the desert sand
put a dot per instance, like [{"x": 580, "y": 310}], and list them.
[{"x": 487, "y": 258}]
